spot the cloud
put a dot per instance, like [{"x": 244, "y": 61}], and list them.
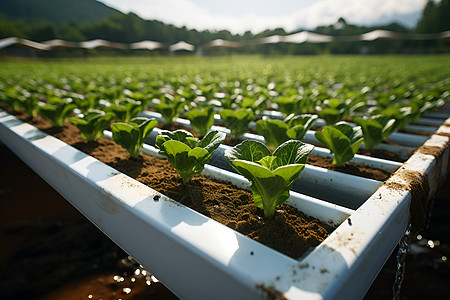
[{"x": 314, "y": 13}]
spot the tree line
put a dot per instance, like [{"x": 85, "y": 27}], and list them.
[{"x": 129, "y": 28}]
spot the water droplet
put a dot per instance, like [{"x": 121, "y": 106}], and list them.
[
  {"x": 154, "y": 279},
  {"x": 444, "y": 258},
  {"x": 133, "y": 279},
  {"x": 148, "y": 282},
  {"x": 137, "y": 272},
  {"x": 430, "y": 244},
  {"x": 403, "y": 248},
  {"x": 126, "y": 290},
  {"x": 419, "y": 237},
  {"x": 90, "y": 296},
  {"x": 144, "y": 272},
  {"x": 118, "y": 278}
]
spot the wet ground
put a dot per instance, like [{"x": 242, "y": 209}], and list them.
[{"x": 50, "y": 251}]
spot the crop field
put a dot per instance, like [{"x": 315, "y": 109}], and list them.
[{"x": 268, "y": 119}]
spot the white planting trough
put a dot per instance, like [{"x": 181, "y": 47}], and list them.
[{"x": 198, "y": 258}]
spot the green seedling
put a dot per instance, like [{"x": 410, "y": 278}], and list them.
[
  {"x": 271, "y": 174},
  {"x": 132, "y": 135},
  {"x": 186, "y": 153}
]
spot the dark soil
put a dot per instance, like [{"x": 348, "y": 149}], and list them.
[
  {"x": 383, "y": 154},
  {"x": 418, "y": 132},
  {"x": 350, "y": 168}
]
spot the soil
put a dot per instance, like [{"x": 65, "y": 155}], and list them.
[
  {"x": 418, "y": 132},
  {"x": 383, "y": 154},
  {"x": 349, "y": 168}
]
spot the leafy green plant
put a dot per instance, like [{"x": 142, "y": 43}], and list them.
[
  {"x": 292, "y": 104},
  {"x": 256, "y": 104},
  {"x": 237, "y": 120},
  {"x": 402, "y": 114},
  {"x": 334, "y": 110},
  {"x": 125, "y": 109},
  {"x": 92, "y": 123},
  {"x": 375, "y": 129},
  {"x": 271, "y": 174},
  {"x": 201, "y": 119},
  {"x": 169, "y": 108},
  {"x": 56, "y": 110},
  {"x": 86, "y": 103},
  {"x": 27, "y": 104},
  {"x": 131, "y": 135},
  {"x": 343, "y": 141},
  {"x": 276, "y": 132},
  {"x": 186, "y": 153}
]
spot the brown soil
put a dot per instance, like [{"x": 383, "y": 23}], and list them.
[
  {"x": 289, "y": 232},
  {"x": 418, "y": 132},
  {"x": 383, "y": 154},
  {"x": 350, "y": 168}
]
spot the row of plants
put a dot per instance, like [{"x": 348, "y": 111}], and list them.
[
  {"x": 238, "y": 101},
  {"x": 271, "y": 174},
  {"x": 342, "y": 139}
]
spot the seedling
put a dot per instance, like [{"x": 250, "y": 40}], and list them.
[
  {"x": 375, "y": 129},
  {"x": 201, "y": 119},
  {"x": 169, "y": 109},
  {"x": 125, "y": 109},
  {"x": 292, "y": 104},
  {"x": 276, "y": 132},
  {"x": 56, "y": 110},
  {"x": 271, "y": 175},
  {"x": 92, "y": 124},
  {"x": 131, "y": 135},
  {"x": 237, "y": 120},
  {"x": 186, "y": 153},
  {"x": 343, "y": 141}
]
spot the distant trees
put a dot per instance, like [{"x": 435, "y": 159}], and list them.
[
  {"x": 128, "y": 28},
  {"x": 435, "y": 17}
]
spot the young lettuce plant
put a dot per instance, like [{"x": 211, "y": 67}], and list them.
[
  {"x": 169, "y": 109},
  {"x": 276, "y": 132},
  {"x": 333, "y": 111},
  {"x": 131, "y": 135},
  {"x": 28, "y": 104},
  {"x": 201, "y": 119},
  {"x": 291, "y": 104},
  {"x": 56, "y": 110},
  {"x": 375, "y": 129},
  {"x": 125, "y": 109},
  {"x": 271, "y": 174},
  {"x": 343, "y": 141},
  {"x": 92, "y": 123},
  {"x": 237, "y": 120},
  {"x": 186, "y": 153}
]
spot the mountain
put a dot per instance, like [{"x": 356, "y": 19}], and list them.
[{"x": 55, "y": 11}]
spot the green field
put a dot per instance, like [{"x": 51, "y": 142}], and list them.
[
  {"x": 377, "y": 72},
  {"x": 397, "y": 86}
]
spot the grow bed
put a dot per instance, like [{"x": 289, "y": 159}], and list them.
[{"x": 184, "y": 244}]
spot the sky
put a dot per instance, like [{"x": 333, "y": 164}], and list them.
[{"x": 238, "y": 16}]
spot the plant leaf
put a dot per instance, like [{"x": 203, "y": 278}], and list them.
[
  {"x": 293, "y": 152},
  {"x": 252, "y": 151},
  {"x": 274, "y": 132}
]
